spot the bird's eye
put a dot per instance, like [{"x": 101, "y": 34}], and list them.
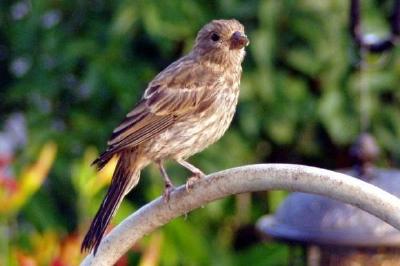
[{"x": 215, "y": 37}]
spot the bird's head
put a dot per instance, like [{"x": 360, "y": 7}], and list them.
[{"x": 222, "y": 41}]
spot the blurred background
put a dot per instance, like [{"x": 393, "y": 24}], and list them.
[{"x": 71, "y": 70}]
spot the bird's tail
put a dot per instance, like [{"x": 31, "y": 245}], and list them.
[{"x": 125, "y": 177}]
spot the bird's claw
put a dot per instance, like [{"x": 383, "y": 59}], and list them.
[
  {"x": 167, "y": 192},
  {"x": 193, "y": 179}
]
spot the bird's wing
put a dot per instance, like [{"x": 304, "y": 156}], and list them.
[{"x": 163, "y": 103}]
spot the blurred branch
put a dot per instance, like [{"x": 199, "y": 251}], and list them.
[
  {"x": 239, "y": 180},
  {"x": 377, "y": 46}
]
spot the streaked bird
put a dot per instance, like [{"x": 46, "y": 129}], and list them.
[{"x": 185, "y": 108}]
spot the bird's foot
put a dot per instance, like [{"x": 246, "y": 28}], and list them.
[
  {"x": 167, "y": 191},
  {"x": 193, "y": 179}
]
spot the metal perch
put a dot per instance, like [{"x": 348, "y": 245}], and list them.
[{"x": 239, "y": 180}]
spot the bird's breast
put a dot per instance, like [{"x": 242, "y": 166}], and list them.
[{"x": 195, "y": 132}]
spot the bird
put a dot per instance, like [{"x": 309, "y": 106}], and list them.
[{"x": 187, "y": 107}]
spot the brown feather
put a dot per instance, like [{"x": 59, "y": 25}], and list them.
[
  {"x": 161, "y": 106},
  {"x": 124, "y": 178}
]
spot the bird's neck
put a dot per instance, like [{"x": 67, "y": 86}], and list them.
[{"x": 219, "y": 60}]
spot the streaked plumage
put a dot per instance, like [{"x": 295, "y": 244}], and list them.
[{"x": 186, "y": 107}]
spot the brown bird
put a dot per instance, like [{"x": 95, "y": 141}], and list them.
[{"x": 185, "y": 108}]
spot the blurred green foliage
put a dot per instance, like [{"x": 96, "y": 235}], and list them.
[{"x": 74, "y": 68}]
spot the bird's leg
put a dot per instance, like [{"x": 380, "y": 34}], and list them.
[
  {"x": 169, "y": 187},
  {"x": 196, "y": 173}
]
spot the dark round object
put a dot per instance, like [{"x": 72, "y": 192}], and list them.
[{"x": 215, "y": 37}]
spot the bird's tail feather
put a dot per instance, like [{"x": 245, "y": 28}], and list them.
[
  {"x": 125, "y": 177},
  {"x": 104, "y": 158}
]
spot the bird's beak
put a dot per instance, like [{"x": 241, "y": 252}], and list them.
[{"x": 239, "y": 40}]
